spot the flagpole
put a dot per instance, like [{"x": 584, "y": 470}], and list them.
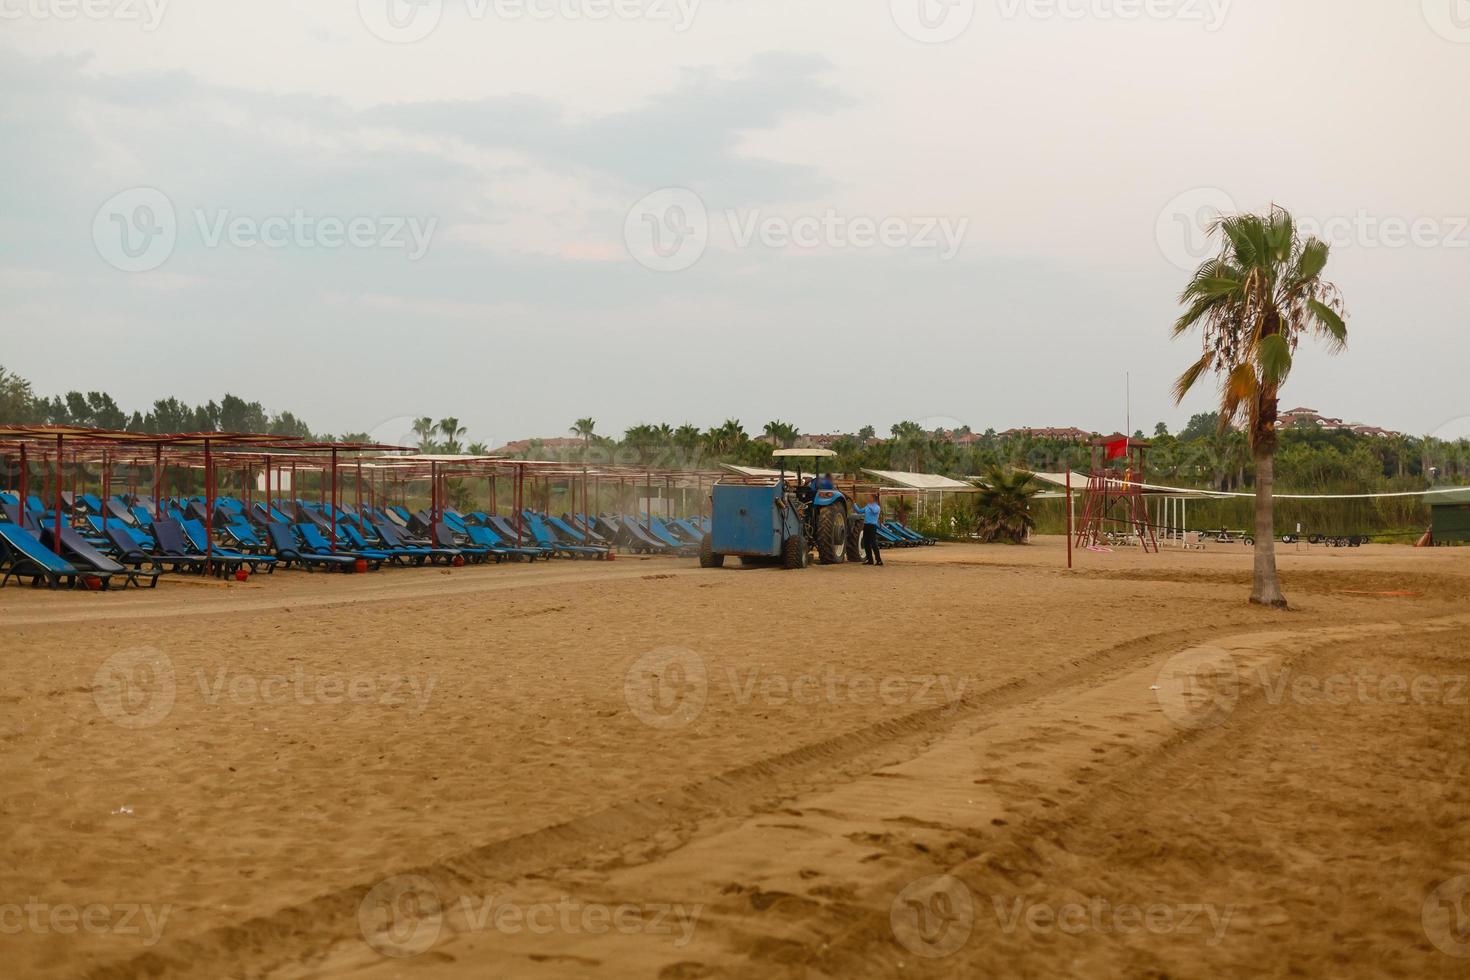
[{"x": 1128, "y": 403}]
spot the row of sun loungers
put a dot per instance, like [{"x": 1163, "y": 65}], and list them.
[{"x": 124, "y": 539}]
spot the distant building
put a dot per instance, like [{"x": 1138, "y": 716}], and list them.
[
  {"x": 553, "y": 444},
  {"x": 1067, "y": 434},
  {"x": 1294, "y": 417}
]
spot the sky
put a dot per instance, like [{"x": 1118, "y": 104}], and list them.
[{"x": 836, "y": 213}]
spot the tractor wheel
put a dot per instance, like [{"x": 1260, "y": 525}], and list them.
[
  {"x": 831, "y": 535},
  {"x": 793, "y": 551},
  {"x": 854, "y": 539},
  {"x": 707, "y": 556}
]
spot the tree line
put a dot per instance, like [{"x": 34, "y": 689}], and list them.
[
  {"x": 98, "y": 410},
  {"x": 1201, "y": 455}
]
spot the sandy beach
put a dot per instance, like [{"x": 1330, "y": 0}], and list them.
[{"x": 971, "y": 762}]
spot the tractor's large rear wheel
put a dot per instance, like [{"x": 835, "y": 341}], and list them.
[
  {"x": 793, "y": 550},
  {"x": 707, "y": 556},
  {"x": 831, "y": 534},
  {"x": 854, "y": 539}
]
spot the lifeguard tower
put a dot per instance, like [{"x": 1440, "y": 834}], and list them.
[{"x": 1113, "y": 508}]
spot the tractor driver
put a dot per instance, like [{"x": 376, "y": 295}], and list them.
[{"x": 822, "y": 482}]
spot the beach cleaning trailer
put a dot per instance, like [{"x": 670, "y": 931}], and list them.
[{"x": 782, "y": 519}]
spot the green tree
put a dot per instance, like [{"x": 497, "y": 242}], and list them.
[
  {"x": 452, "y": 432},
  {"x": 783, "y": 434},
  {"x": 1201, "y": 426},
  {"x": 1252, "y": 305},
  {"x": 584, "y": 428},
  {"x": 17, "y": 400},
  {"x": 1003, "y": 506}
]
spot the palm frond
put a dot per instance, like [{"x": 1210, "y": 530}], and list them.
[
  {"x": 1191, "y": 375},
  {"x": 1328, "y": 319},
  {"x": 1274, "y": 359}
]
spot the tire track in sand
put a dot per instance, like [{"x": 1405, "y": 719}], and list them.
[
  {"x": 808, "y": 888},
  {"x": 328, "y": 925}
]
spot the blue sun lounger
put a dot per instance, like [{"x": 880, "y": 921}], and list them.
[
  {"x": 393, "y": 537},
  {"x": 445, "y": 537},
  {"x": 909, "y": 532},
  {"x": 507, "y": 532},
  {"x": 22, "y": 553},
  {"x": 174, "y": 537},
  {"x": 662, "y": 533},
  {"x": 559, "y": 525},
  {"x": 580, "y": 524},
  {"x": 79, "y": 550},
  {"x": 313, "y": 542},
  {"x": 485, "y": 537},
  {"x": 634, "y": 537},
  {"x": 133, "y": 547},
  {"x": 197, "y": 536},
  {"x": 289, "y": 552},
  {"x": 404, "y": 555},
  {"x": 546, "y": 539}
]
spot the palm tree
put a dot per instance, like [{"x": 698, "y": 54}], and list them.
[
  {"x": 687, "y": 436},
  {"x": 783, "y": 434},
  {"x": 1252, "y": 304},
  {"x": 452, "y": 432},
  {"x": 583, "y": 428},
  {"x": 423, "y": 428},
  {"x": 908, "y": 439},
  {"x": 1003, "y": 506}
]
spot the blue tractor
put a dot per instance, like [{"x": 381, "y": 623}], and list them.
[{"x": 782, "y": 520}]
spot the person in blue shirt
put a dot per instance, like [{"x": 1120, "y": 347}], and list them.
[{"x": 872, "y": 513}]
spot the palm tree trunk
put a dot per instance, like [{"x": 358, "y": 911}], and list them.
[{"x": 1266, "y": 590}]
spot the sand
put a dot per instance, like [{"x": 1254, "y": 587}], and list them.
[{"x": 970, "y": 762}]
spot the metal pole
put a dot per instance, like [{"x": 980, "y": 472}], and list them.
[
  {"x": 1069, "y": 517},
  {"x": 57, "y": 542},
  {"x": 520, "y": 497},
  {"x": 208, "y": 509},
  {"x": 334, "y": 499},
  {"x": 433, "y": 504},
  {"x": 25, "y": 467}
]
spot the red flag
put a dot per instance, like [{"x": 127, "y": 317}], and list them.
[{"x": 1117, "y": 449}]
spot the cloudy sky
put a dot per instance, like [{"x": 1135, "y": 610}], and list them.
[{"x": 833, "y": 212}]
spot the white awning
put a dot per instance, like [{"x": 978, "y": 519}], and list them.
[
  {"x": 1079, "y": 485},
  {"x": 921, "y": 481},
  {"x": 751, "y": 471}
]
